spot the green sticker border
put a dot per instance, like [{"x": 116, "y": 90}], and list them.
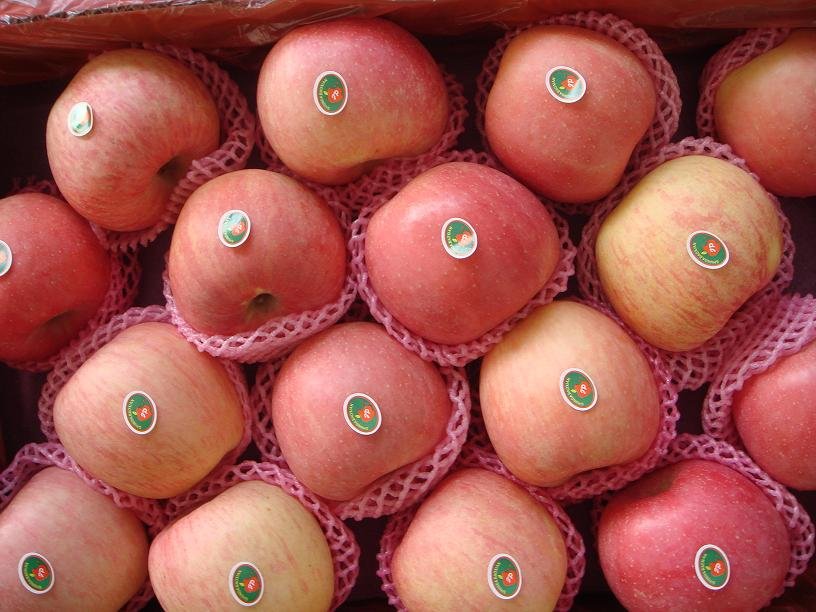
[
  {"x": 566, "y": 398},
  {"x": 490, "y": 576},
  {"x": 90, "y": 123},
  {"x": 697, "y": 565},
  {"x": 155, "y": 413},
  {"x": 445, "y": 242},
  {"x": 554, "y": 95},
  {"x": 232, "y": 592},
  {"x": 348, "y": 420},
  {"x": 22, "y": 580},
  {"x": 316, "y": 98},
  {"x": 221, "y": 222},
  {"x": 11, "y": 258},
  {"x": 700, "y": 263}
]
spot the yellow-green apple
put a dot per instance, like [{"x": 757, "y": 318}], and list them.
[
  {"x": 774, "y": 415},
  {"x": 68, "y": 547},
  {"x": 476, "y": 542},
  {"x": 54, "y": 275},
  {"x": 766, "y": 111},
  {"x": 567, "y": 109},
  {"x": 458, "y": 250},
  {"x": 149, "y": 414},
  {"x": 338, "y": 97},
  {"x": 695, "y": 535},
  {"x": 250, "y": 246},
  {"x": 351, "y": 405},
  {"x": 565, "y": 391},
  {"x": 685, "y": 248},
  {"x": 252, "y": 545},
  {"x": 123, "y": 133}
]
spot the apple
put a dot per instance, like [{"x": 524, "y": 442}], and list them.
[
  {"x": 54, "y": 275},
  {"x": 766, "y": 111},
  {"x": 338, "y": 97},
  {"x": 565, "y": 391},
  {"x": 695, "y": 535},
  {"x": 68, "y": 547},
  {"x": 252, "y": 545},
  {"x": 566, "y": 110},
  {"x": 774, "y": 415},
  {"x": 478, "y": 540},
  {"x": 351, "y": 405},
  {"x": 686, "y": 248},
  {"x": 284, "y": 252},
  {"x": 149, "y": 414},
  {"x": 460, "y": 249},
  {"x": 149, "y": 118}
]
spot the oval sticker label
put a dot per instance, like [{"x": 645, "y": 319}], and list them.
[
  {"x": 80, "y": 119},
  {"x": 707, "y": 250},
  {"x": 233, "y": 228},
  {"x": 139, "y": 411},
  {"x": 246, "y": 583},
  {"x": 362, "y": 414},
  {"x": 330, "y": 93},
  {"x": 459, "y": 238},
  {"x": 5, "y": 258},
  {"x": 35, "y": 573},
  {"x": 566, "y": 84},
  {"x": 504, "y": 576},
  {"x": 577, "y": 389},
  {"x": 712, "y": 567}
]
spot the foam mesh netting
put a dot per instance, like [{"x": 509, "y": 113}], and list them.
[
  {"x": 278, "y": 335},
  {"x": 474, "y": 457},
  {"x": 667, "y": 89},
  {"x": 734, "y": 55},
  {"x": 124, "y": 282},
  {"x": 783, "y": 331},
  {"x": 690, "y": 369},
  {"x": 342, "y": 544},
  {"x": 392, "y": 172},
  {"x": 451, "y": 354},
  {"x": 396, "y": 490},
  {"x": 237, "y": 130},
  {"x": 35, "y": 457}
]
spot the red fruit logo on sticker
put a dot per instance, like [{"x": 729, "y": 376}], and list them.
[
  {"x": 335, "y": 94},
  {"x": 508, "y": 578},
  {"x": 3, "y": 257},
  {"x": 40, "y": 573},
  {"x": 582, "y": 389},
  {"x": 569, "y": 83},
  {"x": 239, "y": 228},
  {"x": 144, "y": 413},
  {"x": 251, "y": 584},
  {"x": 366, "y": 414},
  {"x": 717, "y": 568},
  {"x": 712, "y": 247}
]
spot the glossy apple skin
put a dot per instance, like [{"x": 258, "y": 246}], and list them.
[
  {"x": 397, "y": 102},
  {"x": 295, "y": 253},
  {"x": 537, "y": 435},
  {"x": 253, "y": 521},
  {"x": 58, "y": 279},
  {"x": 643, "y": 263},
  {"x": 307, "y": 403},
  {"x": 448, "y": 300},
  {"x": 97, "y": 550},
  {"x": 151, "y": 117},
  {"x": 650, "y": 532},
  {"x": 471, "y": 516},
  {"x": 776, "y": 421},
  {"x": 199, "y": 417},
  {"x": 766, "y": 111},
  {"x": 553, "y": 147}
]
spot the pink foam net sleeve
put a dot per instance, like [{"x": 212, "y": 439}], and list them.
[
  {"x": 342, "y": 544},
  {"x": 690, "y": 369},
  {"x": 447, "y": 354},
  {"x": 667, "y": 89},
  {"x": 396, "y": 490},
  {"x": 784, "y": 331},
  {"x": 474, "y": 457},
  {"x": 124, "y": 281},
  {"x": 237, "y": 129},
  {"x": 734, "y": 55},
  {"x": 35, "y": 457}
]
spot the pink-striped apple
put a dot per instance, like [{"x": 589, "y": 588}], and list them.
[
  {"x": 148, "y": 413},
  {"x": 252, "y": 545},
  {"x": 686, "y": 248},
  {"x": 250, "y": 246},
  {"x": 474, "y": 246},
  {"x": 68, "y": 547},
  {"x": 338, "y": 97},
  {"x": 54, "y": 275},
  {"x": 478, "y": 541},
  {"x": 567, "y": 109},
  {"x": 566, "y": 391},
  {"x": 351, "y": 405},
  {"x": 124, "y": 132}
]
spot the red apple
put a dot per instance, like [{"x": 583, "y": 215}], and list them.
[
  {"x": 695, "y": 535},
  {"x": 150, "y": 118},
  {"x": 284, "y": 252},
  {"x": 351, "y": 405},
  {"x": 338, "y": 97},
  {"x": 252, "y": 545},
  {"x": 566, "y": 391},
  {"x": 72, "y": 546},
  {"x": 686, "y": 248},
  {"x": 446, "y": 558},
  {"x": 149, "y": 414},
  {"x": 461, "y": 248},
  {"x": 766, "y": 111},
  {"x": 567, "y": 109},
  {"x": 54, "y": 276}
]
